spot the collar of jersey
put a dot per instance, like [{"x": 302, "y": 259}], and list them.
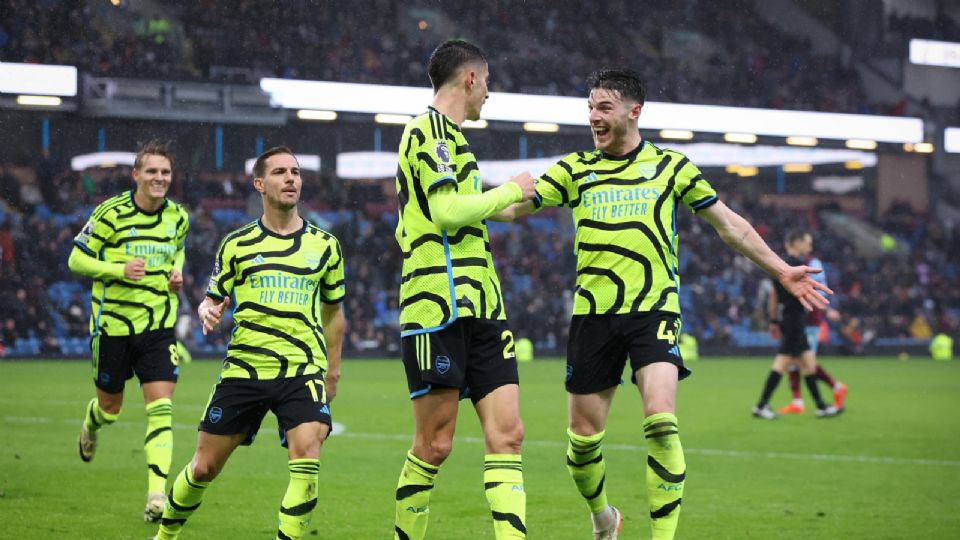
[
  {"x": 268, "y": 232},
  {"x": 628, "y": 156},
  {"x": 142, "y": 211},
  {"x": 432, "y": 108}
]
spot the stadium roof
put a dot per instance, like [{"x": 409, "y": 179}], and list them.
[
  {"x": 406, "y": 100},
  {"x": 370, "y": 165}
]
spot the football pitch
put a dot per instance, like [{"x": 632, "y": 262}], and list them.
[{"x": 887, "y": 468}]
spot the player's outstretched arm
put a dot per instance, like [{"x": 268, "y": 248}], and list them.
[
  {"x": 741, "y": 236},
  {"x": 527, "y": 206},
  {"x": 797, "y": 281},
  {"x": 82, "y": 263},
  {"x": 211, "y": 312},
  {"x": 450, "y": 210},
  {"x": 333, "y": 325},
  {"x": 515, "y": 211}
]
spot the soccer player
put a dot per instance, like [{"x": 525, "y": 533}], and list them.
[
  {"x": 624, "y": 196},
  {"x": 787, "y": 326},
  {"x": 812, "y": 323},
  {"x": 454, "y": 338},
  {"x": 802, "y": 247},
  {"x": 133, "y": 248},
  {"x": 286, "y": 277}
]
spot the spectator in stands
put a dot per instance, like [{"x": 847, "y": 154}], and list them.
[
  {"x": 10, "y": 189},
  {"x": 75, "y": 316},
  {"x": 879, "y": 297},
  {"x": 9, "y": 333},
  {"x": 726, "y": 53},
  {"x": 8, "y": 254}
]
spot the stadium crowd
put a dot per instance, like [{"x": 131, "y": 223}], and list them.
[
  {"x": 42, "y": 207},
  {"x": 713, "y": 53}
]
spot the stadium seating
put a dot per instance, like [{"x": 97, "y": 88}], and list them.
[
  {"x": 697, "y": 59},
  {"x": 762, "y": 66},
  {"x": 720, "y": 305}
]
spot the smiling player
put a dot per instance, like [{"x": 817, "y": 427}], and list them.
[
  {"x": 287, "y": 279},
  {"x": 624, "y": 195},
  {"x": 454, "y": 337},
  {"x": 133, "y": 248}
]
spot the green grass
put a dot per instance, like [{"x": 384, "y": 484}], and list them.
[{"x": 888, "y": 468}]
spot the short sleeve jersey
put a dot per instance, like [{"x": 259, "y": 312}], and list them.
[
  {"x": 119, "y": 231},
  {"x": 277, "y": 283},
  {"x": 624, "y": 212},
  {"x": 446, "y": 274}
]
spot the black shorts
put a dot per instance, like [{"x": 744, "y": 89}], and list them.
[
  {"x": 599, "y": 345},
  {"x": 239, "y": 405},
  {"x": 152, "y": 356},
  {"x": 793, "y": 337},
  {"x": 475, "y": 355}
]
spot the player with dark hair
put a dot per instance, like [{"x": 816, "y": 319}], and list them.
[
  {"x": 286, "y": 277},
  {"x": 624, "y": 196},
  {"x": 801, "y": 243},
  {"x": 133, "y": 248},
  {"x": 787, "y": 326},
  {"x": 454, "y": 338}
]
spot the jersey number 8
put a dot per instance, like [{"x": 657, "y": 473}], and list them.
[{"x": 174, "y": 354}]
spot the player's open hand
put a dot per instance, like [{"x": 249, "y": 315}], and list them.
[
  {"x": 175, "y": 283},
  {"x": 798, "y": 283},
  {"x": 135, "y": 269},
  {"x": 528, "y": 185},
  {"x": 211, "y": 313}
]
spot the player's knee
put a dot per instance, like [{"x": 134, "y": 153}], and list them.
[
  {"x": 111, "y": 405},
  {"x": 513, "y": 438},
  {"x": 436, "y": 451},
  {"x": 114, "y": 409},
  {"x": 305, "y": 441},
  {"x": 308, "y": 449},
  {"x": 204, "y": 471},
  {"x": 658, "y": 406},
  {"x": 441, "y": 448},
  {"x": 516, "y": 432},
  {"x": 508, "y": 439},
  {"x": 584, "y": 427}
]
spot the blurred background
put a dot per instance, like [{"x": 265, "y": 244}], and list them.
[{"x": 868, "y": 162}]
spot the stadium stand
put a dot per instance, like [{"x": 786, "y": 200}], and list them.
[
  {"x": 711, "y": 53},
  {"x": 898, "y": 298}
]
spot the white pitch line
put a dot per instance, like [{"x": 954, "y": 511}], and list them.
[
  {"x": 133, "y": 401},
  {"x": 696, "y": 451},
  {"x": 340, "y": 430}
]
